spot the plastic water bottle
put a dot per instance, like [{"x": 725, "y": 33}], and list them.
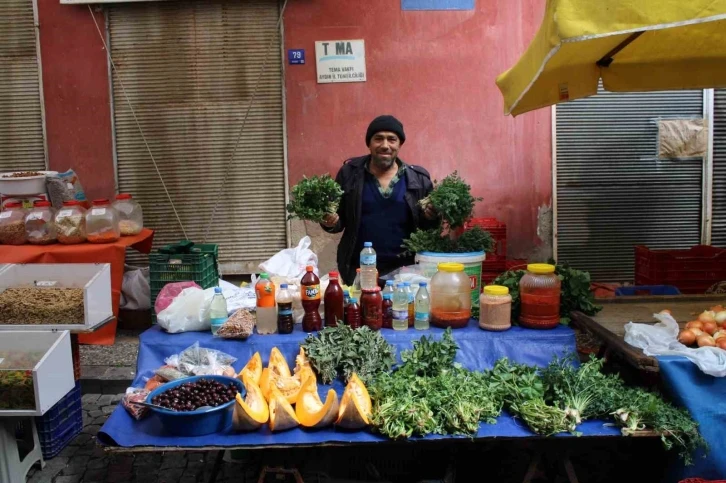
[
  {"x": 368, "y": 272},
  {"x": 411, "y": 298},
  {"x": 356, "y": 290},
  {"x": 388, "y": 288},
  {"x": 422, "y": 307},
  {"x": 400, "y": 308},
  {"x": 218, "y": 310}
]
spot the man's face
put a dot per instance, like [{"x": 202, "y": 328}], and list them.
[{"x": 384, "y": 148}]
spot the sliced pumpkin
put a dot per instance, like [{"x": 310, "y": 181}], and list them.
[
  {"x": 265, "y": 383},
  {"x": 251, "y": 412},
  {"x": 253, "y": 368},
  {"x": 301, "y": 362},
  {"x": 289, "y": 387},
  {"x": 278, "y": 364},
  {"x": 310, "y": 410},
  {"x": 355, "y": 407},
  {"x": 282, "y": 415}
]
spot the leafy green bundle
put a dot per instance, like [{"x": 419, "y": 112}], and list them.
[
  {"x": 314, "y": 197},
  {"x": 452, "y": 200},
  {"x": 472, "y": 240}
]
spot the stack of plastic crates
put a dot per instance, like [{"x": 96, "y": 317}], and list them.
[
  {"x": 495, "y": 262},
  {"x": 693, "y": 270},
  {"x": 183, "y": 262}
]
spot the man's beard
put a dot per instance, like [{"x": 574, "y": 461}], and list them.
[{"x": 384, "y": 163}]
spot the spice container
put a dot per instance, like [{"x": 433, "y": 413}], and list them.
[
  {"x": 70, "y": 223},
  {"x": 450, "y": 296},
  {"x": 539, "y": 292},
  {"x": 130, "y": 216},
  {"x": 12, "y": 225},
  {"x": 39, "y": 227},
  {"x": 495, "y": 308},
  {"x": 102, "y": 223},
  {"x": 371, "y": 304}
]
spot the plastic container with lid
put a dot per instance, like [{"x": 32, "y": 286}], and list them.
[
  {"x": 102, "y": 223},
  {"x": 70, "y": 223},
  {"x": 539, "y": 292},
  {"x": 495, "y": 308},
  {"x": 39, "y": 226},
  {"x": 12, "y": 225},
  {"x": 450, "y": 296},
  {"x": 130, "y": 215}
]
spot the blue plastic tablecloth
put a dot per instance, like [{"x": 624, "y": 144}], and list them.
[
  {"x": 478, "y": 350},
  {"x": 705, "y": 398}
]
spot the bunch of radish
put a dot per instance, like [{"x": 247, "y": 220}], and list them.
[{"x": 708, "y": 331}]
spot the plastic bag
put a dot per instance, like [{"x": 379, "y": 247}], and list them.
[
  {"x": 188, "y": 312},
  {"x": 135, "y": 290},
  {"x": 237, "y": 297},
  {"x": 661, "y": 339},
  {"x": 410, "y": 273},
  {"x": 291, "y": 262},
  {"x": 197, "y": 361},
  {"x": 169, "y": 292},
  {"x": 170, "y": 373},
  {"x": 135, "y": 394},
  {"x": 239, "y": 326}
]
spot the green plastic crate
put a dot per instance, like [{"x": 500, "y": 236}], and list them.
[{"x": 182, "y": 262}]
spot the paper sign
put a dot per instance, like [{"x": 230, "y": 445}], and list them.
[
  {"x": 64, "y": 213},
  {"x": 5, "y": 214},
  {"x": 98, "y": 211},
  {"x": 340, "y": 61},
  {"x": 35, "y": 216}
]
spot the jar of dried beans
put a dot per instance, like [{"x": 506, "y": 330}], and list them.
[
  {"x": 39, "y": 227},
  {"x": 130, "y": 216},
  {"x": 70, "y": 223},
  {"x": 12, "y": 225},
  {"x": 102, "y": 223},
  {"x": 495, "y": 308}
]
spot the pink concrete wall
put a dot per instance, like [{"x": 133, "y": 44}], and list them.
[{"x": 435, "y": 71}]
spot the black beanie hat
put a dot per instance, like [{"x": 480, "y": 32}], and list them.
[{"x": 385, "y": 123}]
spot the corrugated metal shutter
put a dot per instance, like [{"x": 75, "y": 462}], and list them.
[
  {"x": 21, "y": 121},
  {"x": 718, "y": 229},
  {"x": 189, "y": 70},
  {"x": 612, "y": 193}
]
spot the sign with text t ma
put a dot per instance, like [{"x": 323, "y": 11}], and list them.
[{"x": 340, "y": 61}]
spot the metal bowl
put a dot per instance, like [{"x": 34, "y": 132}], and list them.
[{"x": 200, "y": 421}]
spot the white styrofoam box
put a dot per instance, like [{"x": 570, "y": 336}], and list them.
[
  {"x": 52, "y": 375},
  {"x": 93, "y": 278}
]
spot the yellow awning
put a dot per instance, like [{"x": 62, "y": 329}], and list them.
[{"x": 652, "y": 45}]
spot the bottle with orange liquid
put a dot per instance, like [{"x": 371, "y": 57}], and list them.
[{"x": 266, "y": 310}]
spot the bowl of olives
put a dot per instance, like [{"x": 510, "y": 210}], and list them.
[{"x": 195, "y": 406}]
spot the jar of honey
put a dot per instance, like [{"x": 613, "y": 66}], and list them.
[{"x": 539, "y": 292}]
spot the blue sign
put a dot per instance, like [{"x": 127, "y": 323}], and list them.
[
  {"x": 437, "y": 4},
  {"x": 296, "y": 56}
]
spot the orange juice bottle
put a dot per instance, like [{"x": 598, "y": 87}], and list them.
[{"x": 266, "y": 309}]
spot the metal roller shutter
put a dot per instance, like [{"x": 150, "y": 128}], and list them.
[
  {"x": 189, "y": 70},
  {"x": 611, "y": 192},
  {"x": 718, "y": 228},
  {"x": 22, "y": 145}
]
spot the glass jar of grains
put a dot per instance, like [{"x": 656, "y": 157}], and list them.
[
  {"x": 39, "y": 227},
  {"x": 102, "y": 223},
  {"x": 70, "y": 223},
  {"x": 495, "y": 308},
  {"x": 130, "y": 216},
  {"x": 12, "y": 225}
]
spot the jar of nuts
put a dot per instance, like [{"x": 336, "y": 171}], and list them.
[
  {"x": 70, "y": 223},
  {"x": 12, "y": 225},
  {"x": 130, "y": 216},
  {"x": 39, "y": 227},
  {"x": 102, "y": 223}
]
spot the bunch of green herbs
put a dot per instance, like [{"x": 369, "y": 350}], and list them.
[
  {"x": 475, "y": 239},
  {"x": 452, "y": 200},
  {"x": 313, "y": 198}
]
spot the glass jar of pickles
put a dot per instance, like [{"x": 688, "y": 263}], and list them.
[{"x": 450, "y": 296}]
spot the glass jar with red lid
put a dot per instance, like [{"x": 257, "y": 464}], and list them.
[
  {"x": 70, "y": 223},
  {"x": 102, "y": 223},
  {"x": 539, "y": 292},
  {"x": 130, "y": 215},
  {"x": 39, "y": 227},
  {"x": 371, "y": 308}
]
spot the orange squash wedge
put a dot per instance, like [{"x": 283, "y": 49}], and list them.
[
  {"x": 301, "y": 362},
  {"x": 253, "y": 368},
  {"x": 288, "y": 386},
  {"x": 282, "y": 415},
  {"x": 355, "y": 407},
  {"x": 251, "y": 412},
  {"x": 310, "y": 410},
  {"x": 278, "y": 364}
]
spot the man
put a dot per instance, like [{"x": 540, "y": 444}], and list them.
[{"x": 380, "y": 202}]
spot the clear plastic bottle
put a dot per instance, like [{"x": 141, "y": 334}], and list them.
[
  {"x": 130, "y": 215},
  {"x": 346, "y": 302},
  {"x": 266, "y": 310},
  {"x": 285, "y": 321},
  {"x": 356, "y": 289},
  {"x": 387, "y": 309},
  {"x": 39, "y": 226},
  {"x": 388, "y": 288},
  {"x": 102, "y": 223},
  {"x": 218, "y": 310},
  {"x": 353, "y": 314},
  {"x": 400, "y": 308},
  {"x": 368, "y": 272},
  {"x": 411, "y": 299},
  {"x": 422, "y": 308}
]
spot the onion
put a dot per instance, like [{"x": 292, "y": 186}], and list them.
[
  {"x": 719, "y": 334},
  {"x": 707, "y": 316},
  {"x": 694, "y": 324},
  {"x": 721, "y": 343},
  {"x": 687, "y": 337},
  {"x": 721, "y": 317},
  {"x": 710, "y": 327},
  {"x": 705, "y": 341},
  {"x": 698, "y": 332}
]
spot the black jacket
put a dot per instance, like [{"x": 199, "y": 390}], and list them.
[{"x": 351, "y": 178}]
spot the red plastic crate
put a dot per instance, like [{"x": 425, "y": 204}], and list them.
[
  {"x": 498, "y": 230},
  {"x": 693, "y": 270}
]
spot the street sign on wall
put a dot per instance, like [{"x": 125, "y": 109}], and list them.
[{"x": 340, "y": 61}]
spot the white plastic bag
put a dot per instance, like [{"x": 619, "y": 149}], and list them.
[
  {"x": 661, "y": 339},
  {"x": 135, "y": 291},
  {"x": 238, "y": 297},
  {"x": 199, "y": 361},
  {"x": 291, "y": 262},
  {"x": 188, "y": 312}
]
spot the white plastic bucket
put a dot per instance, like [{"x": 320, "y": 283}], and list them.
[{"x": 472, "y": 267}]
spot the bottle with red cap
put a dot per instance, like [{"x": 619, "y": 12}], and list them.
[
  {"x": 334, "y": 301},
  {"x": 102, "y": 223},
  {"x": 39, "y": 227},
  {"x": 310, "y": 297},
  {"x": 130, "y": 215}
]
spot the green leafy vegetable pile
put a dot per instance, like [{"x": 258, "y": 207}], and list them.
[
  {"x": 472, "y": 240},
  {"x": 342, "y": 351},
  {"x": 314, "y": 197},
  {"x": 452, "y": 200},
  {"x": 576, "y": 293}
]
